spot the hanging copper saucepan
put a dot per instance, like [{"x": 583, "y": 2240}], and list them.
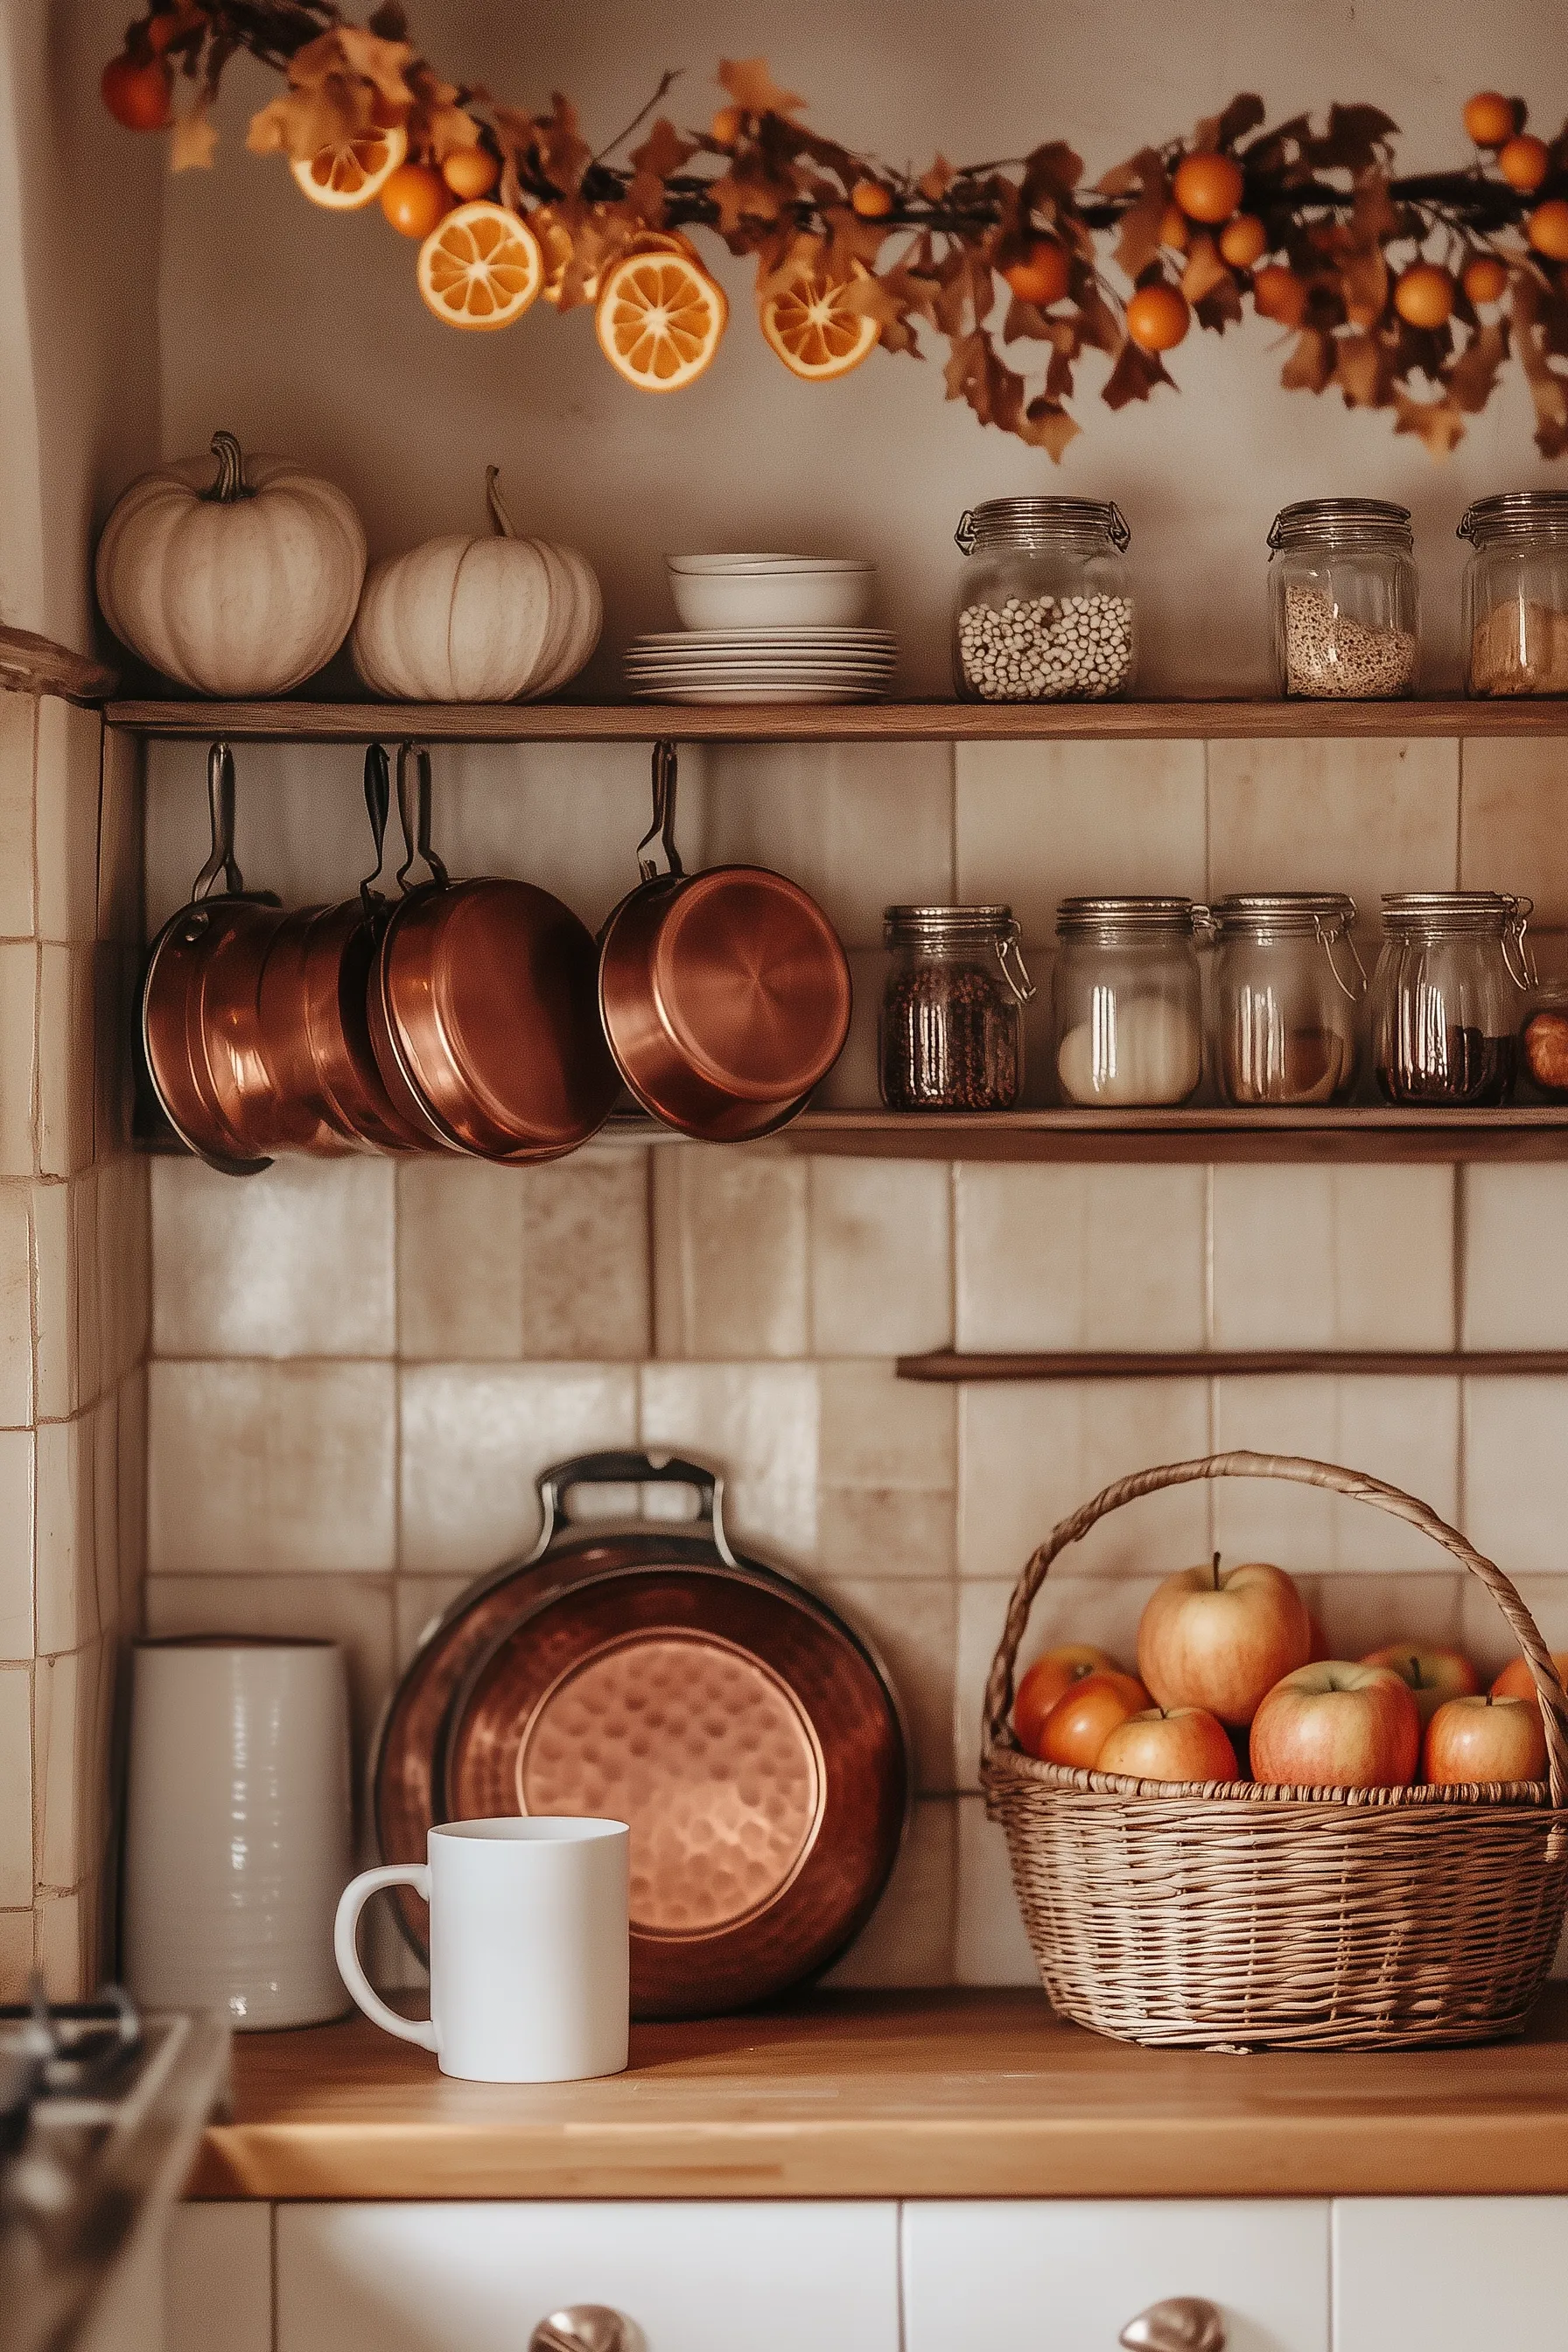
[
  {"x": 724, "y": 995},
  {"x": 482, "y": 1005}
]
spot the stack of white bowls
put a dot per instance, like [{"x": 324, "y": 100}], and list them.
[{"x": 766, "y": 629}]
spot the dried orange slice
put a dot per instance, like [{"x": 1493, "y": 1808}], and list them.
[
  {"x": 659, "y": 319},
  {"x": 480, "y": 266},
  {"x": 816, "y": 333},
  {"x": 343, "y": 178}
]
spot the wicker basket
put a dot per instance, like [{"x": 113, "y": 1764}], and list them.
[{"x": 1232, "y": 1915}]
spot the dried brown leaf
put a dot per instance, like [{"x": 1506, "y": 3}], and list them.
[
  {"x": 1047, "y": 426},
  {"x": 1363, "y": 286},
  {"x": 1548, "y": 389},
  {"x": 194, "y": 139},
  {"x": 934, "y": 183},
  {"x": 1138, "y": 241},
  {"x": 1362, "y": 370},
  {"x": 1051, "y": 175},
  {"x": 1473, "y": 378},
  {"x": 1437, "y": 422},
  {"x": 754, "y": 89},
  {"x": 663, "y": 152},
  {"x": 1134, "y": 376},
  {"x": 1311, "y": 365},
  {"x": 1204, "y": 269}
]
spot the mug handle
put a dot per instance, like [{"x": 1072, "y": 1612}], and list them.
[{"x": 351, "y": 1903}]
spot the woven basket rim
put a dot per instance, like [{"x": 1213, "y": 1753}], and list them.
[{"x": 1008, "y": 1762}]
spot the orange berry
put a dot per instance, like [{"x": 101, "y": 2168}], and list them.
[
  {"x": 138, "y": 94},
  {"x": 871, "y": 200},
  {"x": 1243, "y": 241},
  {"x": 470, "y": 173},
  {"x": 1524, "y": 162},
  {"x": 415, "y": 199},
  {"x": 1207, "y": 187},
  {"x": 1485, "y": 279},
  {"x": 1039, "y": 274},
  {"x": 726, "y": 126},
  {"x": 1547, "y": 228},
  {"x": 1423, "y": 297},
  {"x": 1279, "y": 294},
  {"x": 1174, "y": 229},
  {"x": 1157, "y": 318},
  {"x": 1489, "y": 117}
]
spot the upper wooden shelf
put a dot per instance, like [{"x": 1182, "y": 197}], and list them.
[{"x": 904, "y": 723}]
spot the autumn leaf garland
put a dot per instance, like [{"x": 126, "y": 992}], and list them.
[{"x": 1406, "y": 295}]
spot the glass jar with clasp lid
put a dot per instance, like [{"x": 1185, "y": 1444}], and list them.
[
  {"x": 951, "y": 1032},
  {"x": 1127, "y": 1001},
  {"x": 1044, "y": 612},
  {"x": 1446, "y": 996},
  {"x": 1288, "y": 988},
  {"x": 1516, "y": 592},
  {"x": 1345, "y": 600}
]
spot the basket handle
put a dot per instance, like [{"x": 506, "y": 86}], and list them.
[{"x": 1303, "y": 1473}]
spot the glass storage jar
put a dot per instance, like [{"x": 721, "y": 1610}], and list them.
[
  {"x": 1343, "y": 599},
  {"x": 1043, "y": 613},
  {"x": 1127, "y": 1001},
  {"x": 951, "y": 1032},
  {"x": 1516, "y": 592},
  {"x": 1543, "y": 1042},
  {"x": 1446, "y": 996},
  {"x": 1288, "y": 982}
]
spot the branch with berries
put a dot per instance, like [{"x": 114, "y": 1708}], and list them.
[{"x": 1405, "y": 294}]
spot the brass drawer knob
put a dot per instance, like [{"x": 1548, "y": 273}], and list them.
[
  {"x": 1181, "y": 2323},
  {"x": 586, "y": 2327}
]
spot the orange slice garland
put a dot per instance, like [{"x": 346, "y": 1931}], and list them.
[
  {"x": 660, "y": 319},
  {"x": 814, "y": 330},
  {"x": 480, "y": 266},
  {"x": 342, "y": 178}
]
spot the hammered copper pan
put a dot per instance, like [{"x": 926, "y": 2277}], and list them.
[
  {"x": 750, "y": 1737},
  {"x": 725, "y": 995},
  {"x": 483, "y": 1007}
]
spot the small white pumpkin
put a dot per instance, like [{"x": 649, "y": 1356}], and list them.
[
  {"x": 241, "y": 583},
  {"x": 478, "y": 620}
]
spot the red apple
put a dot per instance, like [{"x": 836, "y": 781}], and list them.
[
  {"x": 1516, "y": 1681},
  {"x": 1169, "y": 1743},
  {"x": 1045, "y": 1682},
  {"x": 1338, "y": 1726},
  {"x": 1221, "y": 1641},
  {"x": 1484, "y": 1738},
  {"x": 1430, "y": 1675},
  {"x": 1084, "y": 1718}
]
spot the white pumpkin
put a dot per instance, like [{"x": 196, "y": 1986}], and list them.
[
  {"x": 478, "y": 620},
  {"x": 241, "y": 583}
]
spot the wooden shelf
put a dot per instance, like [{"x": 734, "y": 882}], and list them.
[
  {"x": 944, "y": 1364},
  {"x": 1372, "y": 1131},
  {"x": 908, "y": 723}
]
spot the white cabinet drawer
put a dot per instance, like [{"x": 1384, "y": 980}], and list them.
[
  {"x": 694, "y": 2277},
  {"x": 1067, "y": 2277},
  {"x": 1449, "y": 2274}
]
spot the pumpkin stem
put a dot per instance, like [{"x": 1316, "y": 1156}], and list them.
[
  {"x": 500, "y": 518},
  {"x": 230, "y": 484}
]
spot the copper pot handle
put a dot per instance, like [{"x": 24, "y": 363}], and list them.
[
  {"x": 413, "y": 814},
  {"x": 220, "y": 813},
  {"x": 631, "y": 1469},
  {"x": 378, "y": 807},
  {"x": 663, "y": 826}
]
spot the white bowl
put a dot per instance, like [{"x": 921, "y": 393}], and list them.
[
  {"x": 768, "y": 564},
  {"x": 772, "y": 600}
]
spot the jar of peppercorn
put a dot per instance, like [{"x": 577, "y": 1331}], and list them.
[
  {"x": 951, "y": 1035},
  {"x": 1446, "y": 996}
]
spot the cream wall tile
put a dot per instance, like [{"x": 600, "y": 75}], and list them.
[
  {"x": 990, "y": 1947},
  {"x": 418, "y": 1603},
  {"x": 64, "y": 1944},
  {"x": 1333, "y": 1257},
  {"x": 66, "y": 1059},
  {"x": 122, "y": 813},
  {"x": 729, "y": 1253},
  {"x": 16, "y": 1636},
  {"x": 860, "y": 825},
  {"x": 475, "y": 1439},
  {"x": 1515, "y": 1285},
  {"x": 15, "y": 1308},
  {"x": 459, "y": 1261},
  {"x": 1485, "y": 1633},
  {"x": 912, "y": 1626},
  {"x": 908, "y": 1940},
  {"x": 258, "y": 1468},
  {"x": 1362, "y": 815},
  {"x": 62, "y": 1745},
  {"x": 296, "y": 1262},
  {"x": 1511, "y": 833},
  {"x": 881, "y": 1270},
  {"x": 66, "y": 1564},
  {"x": 852, "y": 1084},
  {"x": 586, "y": 1255},
  {"x": 888, "y": 1471},
  {"x": 1037, "y": 823},
  {"x": 18, "y": 731},
  {"x": 1358, "y": 1613},
  {"x": 567, "y": 816},
  {"x": 1516, "y": 1440},
  {"x": 68, "y": 753},
  {"x": 18, "y": 1056},
  {"x": 16, "y": 1927},
  {"x": 1104, "y": 1610},
  {"x": 1404, "y": 1431},
  {"x": 57, "y": 1375},
  {"x": 1030, "y": 1454},
  {"x": 759, "y": 1424},
  {"x": 1079, "y": 1258},
  {"x": 16, "y": 1780},
  {"x": 115, "y": 974}
]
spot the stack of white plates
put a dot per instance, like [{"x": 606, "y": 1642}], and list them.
[{"x": 821, "y": 664}]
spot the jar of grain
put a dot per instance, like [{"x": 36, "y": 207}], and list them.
[
  {"x": 1127, "y": 1001},
  {"x": 950, "y": 1034},
  {"x": 1288, "y": 983},
  {"x": 1044, "y": 612},
  {"x": 1446, "y": 996},
  {"x": 1343, "y": 599},
  {"x": 1516, "y": 592}
]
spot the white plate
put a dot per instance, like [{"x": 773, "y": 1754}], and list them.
[
  {"x": 783, "y": 641},
  {"x": 737, "y": 673},
  {"x": 722, "y": 694}
]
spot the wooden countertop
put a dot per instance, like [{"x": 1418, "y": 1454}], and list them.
[{"x": 896, "y": 2095}]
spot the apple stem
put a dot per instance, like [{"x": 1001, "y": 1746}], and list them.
[
  {"x": 1414, "y": 1673},
  {"x": 1217, "y": 1571}
]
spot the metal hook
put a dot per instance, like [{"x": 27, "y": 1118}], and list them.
[
  {"x": 220, "y": 814},
  {"x": 662, "y": 829},
  {"x": 378, "y": 805},
  {"x": 413, "y": 814}
]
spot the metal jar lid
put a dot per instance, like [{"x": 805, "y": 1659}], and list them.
[
  {"x": 944, "y": 925},
  {"x": 1129, "y": 920},
  {"x": 1036, "y": 524},
  {"x": 1342, "y": 522},
  {"x": 1453, "y": 910},
  {"x": 1515, "y": 514},
  {"x": 1283, "y": 914}
]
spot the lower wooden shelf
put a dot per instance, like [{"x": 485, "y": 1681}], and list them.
[
  {"x": 951, "y": 1364},
  {"x": 1371, "y": 1132}
]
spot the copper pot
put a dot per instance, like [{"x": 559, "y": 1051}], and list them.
[
  {"x": 724, "y": 995},
  {"x": 483, "y": 1006}
]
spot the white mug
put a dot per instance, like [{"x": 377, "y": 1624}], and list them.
[{"x": 530, "y": 1948}]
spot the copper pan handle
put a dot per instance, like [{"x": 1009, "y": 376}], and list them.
[
  {"x": 414, "y": 814},
  {"x": 378, "y": 807},
  {"x": 220, "y": 814},
  {"x": 631, "y": 1469},
  {"x": 662, "y": 829}
]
